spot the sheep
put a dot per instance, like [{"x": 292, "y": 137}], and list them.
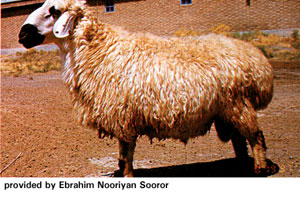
[{"x": 127, "y": 85}]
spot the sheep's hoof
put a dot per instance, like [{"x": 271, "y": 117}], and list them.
[
  {"x": 118, "y": 173},
  {"x": 271, "y": 169},
  {"x": 125, "y": 169},
  {"x": 129, "y": 175},
  {"x": 258, "y": 170}
]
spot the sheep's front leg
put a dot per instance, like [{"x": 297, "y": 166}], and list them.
[{"x": 126, "y": 151}]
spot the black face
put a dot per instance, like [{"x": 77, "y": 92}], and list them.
[{"x": 30, "y": 37}]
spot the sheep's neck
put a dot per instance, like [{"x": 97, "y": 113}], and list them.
[
  {"x": 89, "y": 37},
  {"x": 92, "y": 34}
]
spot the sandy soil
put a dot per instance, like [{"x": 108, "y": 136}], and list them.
[{"x": 37, "y": 121}]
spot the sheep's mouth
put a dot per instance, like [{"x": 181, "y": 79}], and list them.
[{"x": 30, "y": 37}]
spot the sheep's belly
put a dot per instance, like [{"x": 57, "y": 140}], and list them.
[{"x": 181, "y": 133}]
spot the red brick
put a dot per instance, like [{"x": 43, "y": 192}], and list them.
[{"x": 164, "y": 17}]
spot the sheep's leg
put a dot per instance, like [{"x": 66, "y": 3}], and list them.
[
  {"x": 249, "y": 129},
  {"x": 259, "y": 154},
  {"x": 227, "y": 131},
  {"x": 224, "y": 129},
  {"x": 126, "y": 151},
  {"x": 258, "y": 146},
  {"x": 239, "y": 145},
  {"x": 243, "y": 117}
]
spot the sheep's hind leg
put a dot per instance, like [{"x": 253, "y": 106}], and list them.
[
  {"x": 239, "y": 145},
  {"x": 250, "y": 131},
  {"x": 258, "y": 146},
  {"x": 243, "y": 116},
  {"x": 227, "y": 131},
  {"x": 126, "y": 151}
]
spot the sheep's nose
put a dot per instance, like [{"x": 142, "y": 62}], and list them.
[
  {"x": 26, "y": 30},
  {"x": 29, "y": 36}
]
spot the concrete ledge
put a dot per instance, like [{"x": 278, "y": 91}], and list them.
[{"x": 50, "y": 47}]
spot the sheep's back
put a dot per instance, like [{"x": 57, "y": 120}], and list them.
[
  {"x": 167, "y": 87},
  {"x": 241, "y": 69}
]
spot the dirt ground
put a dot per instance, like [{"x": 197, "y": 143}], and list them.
[{"x": 37, "y": 121}]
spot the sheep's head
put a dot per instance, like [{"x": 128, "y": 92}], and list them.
[{"x": 54, "y": 20}]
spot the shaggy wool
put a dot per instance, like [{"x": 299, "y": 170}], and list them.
[{"x": 131, "y": 84}]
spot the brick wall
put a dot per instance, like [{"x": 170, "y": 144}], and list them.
[
  {"x": 11, "y": 22},
  {"x": 164, "y": 17}
]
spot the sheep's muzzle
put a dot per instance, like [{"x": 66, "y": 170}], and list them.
[{"x": 30, "y": 37}]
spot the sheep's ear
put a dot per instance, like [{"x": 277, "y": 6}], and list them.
[{"x": 64, "y": 25}]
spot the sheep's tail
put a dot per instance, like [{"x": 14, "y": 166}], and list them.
[
  {"x": 261, "y": 92},
  {"x": 248, "y": 71},
  {"x": 263, "y": 99}
]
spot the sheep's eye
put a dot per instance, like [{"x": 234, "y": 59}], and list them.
[{"x": 54, "y": 12}]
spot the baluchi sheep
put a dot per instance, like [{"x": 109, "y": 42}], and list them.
[{"x": 131, "y": 84}]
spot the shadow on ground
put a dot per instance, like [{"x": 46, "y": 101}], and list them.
[{"x": 221, "y": 168}]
